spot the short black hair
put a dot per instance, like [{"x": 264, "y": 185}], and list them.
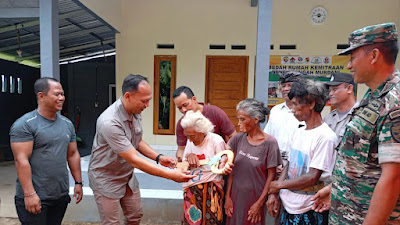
[
  {"x": 389, "y": 50},
  {"x": 183, "y": 89},
  {"x": 131, "y": 83},
  {"x": 308, "y": 91},
  {"x": 42, "y": 85}
]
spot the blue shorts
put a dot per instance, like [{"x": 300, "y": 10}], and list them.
[{"x": 309, "y": 218}]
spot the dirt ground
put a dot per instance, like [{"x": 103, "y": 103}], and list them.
[{"x": 14, "y": 221}]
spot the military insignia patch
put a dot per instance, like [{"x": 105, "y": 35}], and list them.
[
  {"x": 395, "y": 131},
  {"x": 394, "y": 114},
  {"x": 368, "y": 115},
  {"x": 375, "y": 105}
]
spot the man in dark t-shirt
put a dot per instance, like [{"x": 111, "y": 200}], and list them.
[
  {"x": 42, "y": 142},
  {"x": 185, "y": 100}
]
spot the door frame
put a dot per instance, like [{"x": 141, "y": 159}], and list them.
[{"x": 209, "y": 57}]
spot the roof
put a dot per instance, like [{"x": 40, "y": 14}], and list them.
[{"x": 81, "y": 34}]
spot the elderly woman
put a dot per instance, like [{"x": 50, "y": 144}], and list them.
[
  {"x": 256, "y": 158},
  {"x": 202, "y": 195},
  {"x": 311, "y": 157}
]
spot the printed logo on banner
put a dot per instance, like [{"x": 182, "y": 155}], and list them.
[
  {"x": 299, "y": 60},
  {"x": 307, "y": 59},
  {"x": 316, "y": 60},
  {"x": 292, "y": 60},
  {"x": 327, "y": 60},
  {"x": 285, "y": 59}
]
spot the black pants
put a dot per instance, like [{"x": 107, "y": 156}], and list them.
[{"x": 52, "y": 211}]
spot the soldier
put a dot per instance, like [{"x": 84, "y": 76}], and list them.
[{"x": 366, "y": 179}]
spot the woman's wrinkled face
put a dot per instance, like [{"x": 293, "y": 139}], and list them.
[
  {"x": 194, "y": 136},
  {"x": 245, "y": 122}
]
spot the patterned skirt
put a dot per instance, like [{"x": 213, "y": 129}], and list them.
[{"x": 203, "y": 205}]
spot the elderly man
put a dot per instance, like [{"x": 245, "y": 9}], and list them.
[
  {"x": 311, "y": 157},
  {"x": 341, "y": 95},
  {"x": 366, "y": 179},
  {"x": 281, "y": 123},
  {"x": 42, "y": 141},
  {"x": 185, "y": 100},
  {"x": 114, "y": 156}
]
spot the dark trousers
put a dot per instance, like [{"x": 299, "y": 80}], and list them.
[
  {"x": 309, "y": 218},
  {"x": 52, "y": 211}
]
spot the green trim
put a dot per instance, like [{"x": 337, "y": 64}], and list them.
[{"x": 15, "y": 59}]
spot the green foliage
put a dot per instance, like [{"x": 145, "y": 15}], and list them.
[{"x": 165, "y": 90}]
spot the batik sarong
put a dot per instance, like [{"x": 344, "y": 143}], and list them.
[{"x": 202, "y": 205}]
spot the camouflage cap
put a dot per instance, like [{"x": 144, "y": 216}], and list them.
[{"x": 372, "y": 34}]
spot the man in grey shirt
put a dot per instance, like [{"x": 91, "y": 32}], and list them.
[
  {"x": 114, "y": 155},
  {"x": 42, "y": 141}
]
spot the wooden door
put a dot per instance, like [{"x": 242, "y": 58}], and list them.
[{"x": 226, "y": 83}]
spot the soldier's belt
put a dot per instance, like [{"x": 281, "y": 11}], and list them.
[{"x": 310, "y": 190}]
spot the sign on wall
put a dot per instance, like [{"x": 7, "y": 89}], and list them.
[{"x": 317, "y": 67}]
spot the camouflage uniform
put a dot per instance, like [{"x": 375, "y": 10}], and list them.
[{"x": 371, "y": 138}]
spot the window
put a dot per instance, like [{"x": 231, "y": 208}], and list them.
[{"x": 164, "y": 85}]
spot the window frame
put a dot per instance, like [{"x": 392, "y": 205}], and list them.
[{"x": 157, "y": 60}]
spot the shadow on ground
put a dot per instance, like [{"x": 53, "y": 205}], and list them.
[{"x": 15, "y": 221}]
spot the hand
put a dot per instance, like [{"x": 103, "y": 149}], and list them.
[
  {"x": 32, "y": 204},
  {"x": 273, "y": 205},
  {"x": 322, "y": 199},
  {"x": 254, "y": 213},
  {"x": 193, "y": 161},
  {"x": 167, "y": 161},
  {"x": 179, "y": 155},
  {"x": 274, "y": 187},
  {"x": 181, "y": 176},
  {"x": 228, "y": 169},
  {"x": 78, "y": 193},
  {"x": 228, "y": 206}
]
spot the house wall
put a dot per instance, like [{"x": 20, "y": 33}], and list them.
[{"x": 193, "y": 25}]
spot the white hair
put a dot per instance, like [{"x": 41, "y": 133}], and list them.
[{"x": 196, "y": 120}]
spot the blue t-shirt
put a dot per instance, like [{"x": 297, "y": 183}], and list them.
[{"x": 49, "y": 155}]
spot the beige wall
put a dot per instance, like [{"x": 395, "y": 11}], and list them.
[{"x": 192, "y": 25}]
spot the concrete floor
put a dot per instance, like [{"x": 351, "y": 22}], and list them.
[{"x": 159, "y": 206}]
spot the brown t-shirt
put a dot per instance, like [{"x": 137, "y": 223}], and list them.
[
  {"x": 222, "y": 125},
  {"x": 250, "y": 174}
]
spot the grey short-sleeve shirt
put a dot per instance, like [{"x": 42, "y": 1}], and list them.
[
  {"x": 116, "y": 132},
  {"x": 48, "y": 160}
]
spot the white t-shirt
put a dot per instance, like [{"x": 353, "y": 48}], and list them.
[
  {"x": 282, "y": 125},
  {"x": 211, "y": 145},
  {"x": 310, "y": 148}
]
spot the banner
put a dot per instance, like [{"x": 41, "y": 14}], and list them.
[{"x": 315, "y": 67}]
